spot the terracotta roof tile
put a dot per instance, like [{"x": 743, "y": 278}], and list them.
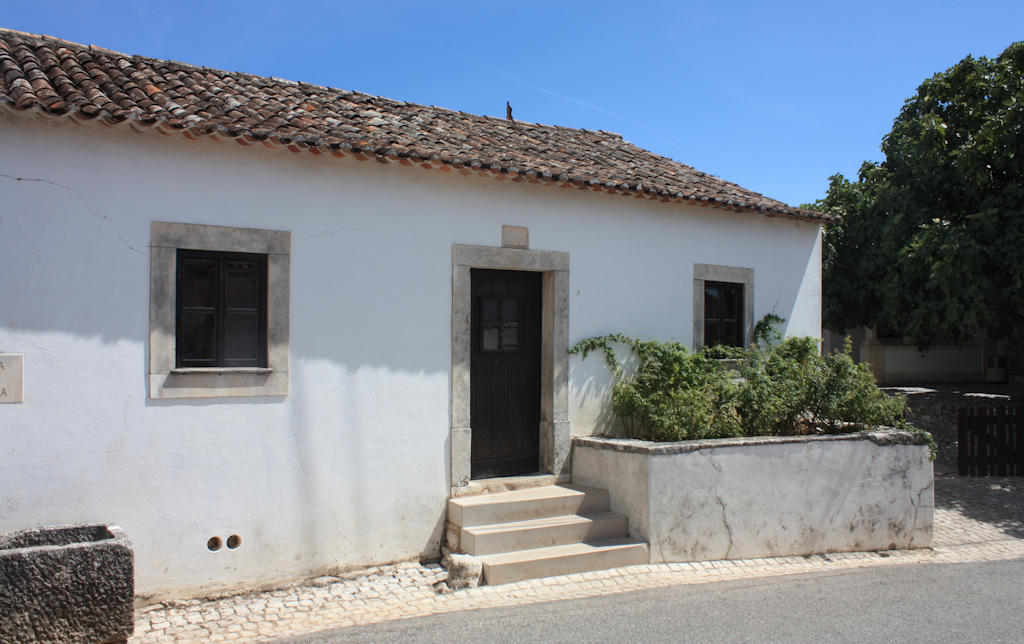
[{"x": 64, "y": 78}]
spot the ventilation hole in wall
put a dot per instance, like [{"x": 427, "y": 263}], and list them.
[
  {"x": 213, "y": 543},
  {"x": 234, "y": 541}
]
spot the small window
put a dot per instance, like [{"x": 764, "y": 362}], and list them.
[
  {"x": 499, "y": 324},
  {"x": 221, "y": 312},
  {"x": 723, "y": 314}
]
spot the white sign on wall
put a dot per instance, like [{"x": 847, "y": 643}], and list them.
[{"x": 12, "y": 378}]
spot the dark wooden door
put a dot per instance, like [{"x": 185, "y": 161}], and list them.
[{"x": 505, "y": 372}]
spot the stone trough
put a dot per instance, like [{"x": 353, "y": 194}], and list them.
[
  {"x": 742, "y": 498},
  {"x": 66, "y": 584}
]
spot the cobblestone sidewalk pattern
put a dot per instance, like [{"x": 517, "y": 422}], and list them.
[{"x": 975, "y": 520}]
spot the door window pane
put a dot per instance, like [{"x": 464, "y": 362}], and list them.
[
  {"x": 499, "y": 324},
  {"x": 509, "y": 310},
  {"x": 489, "y": 339},
  {"x": 510, "y": 338},
  {"x": 489, "y": 310}
]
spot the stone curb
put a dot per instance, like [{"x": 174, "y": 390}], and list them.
[
  {"x": 302, "y": 610},
  {"x": 979, "y": 521}
]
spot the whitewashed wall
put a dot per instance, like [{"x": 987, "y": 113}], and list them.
[{"x": 352, "y": 467}]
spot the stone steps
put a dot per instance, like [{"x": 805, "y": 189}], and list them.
[
  {"x": 543, "y": 531},
  {"x": 529, "y": 503},
  {"x": 509, "y": 567},
  {"x": 540, "y": 533}
]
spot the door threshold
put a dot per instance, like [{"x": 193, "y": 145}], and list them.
[{"x": 507, "y": 483}]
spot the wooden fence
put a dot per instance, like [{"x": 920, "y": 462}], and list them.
[{"x": 990, "y": 441}]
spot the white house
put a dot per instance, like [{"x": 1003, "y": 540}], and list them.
[
  {"x": 897, "y": 359},
  {"x": 294, "y": 320}
]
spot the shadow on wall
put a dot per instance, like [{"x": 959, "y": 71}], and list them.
[
  {"x": 355, "y": 300},
  {"x": 591, "y": 382},
  {"x": 72, "y": 254}
]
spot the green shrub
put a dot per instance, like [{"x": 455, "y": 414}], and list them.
[
  {"x": 780, "y": 387},
  {"x": 673, "y": 395},
  {"x": 793, "y": 389}
]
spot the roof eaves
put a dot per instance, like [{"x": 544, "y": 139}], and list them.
[{"x": 193, "y": 127}]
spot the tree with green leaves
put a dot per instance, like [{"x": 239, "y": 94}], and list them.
[{"x": 931, "y": 240}]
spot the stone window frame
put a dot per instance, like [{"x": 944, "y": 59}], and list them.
[
  {"x": 715, "y": 273},
  {"x": 555, "y": 438},
  {"x": 166, "y": 381}
]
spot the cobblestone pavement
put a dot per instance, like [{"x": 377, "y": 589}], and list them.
[
  {"x": 975, "y": 520},
  {"x": 978, "y": 510}
]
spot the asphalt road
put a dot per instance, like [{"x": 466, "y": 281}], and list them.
[{"x": 982, "y": 602}]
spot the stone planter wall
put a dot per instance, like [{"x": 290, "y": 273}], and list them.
[
  {"x": 767, "y": 496},
  {"x": 66, "y": 584}
]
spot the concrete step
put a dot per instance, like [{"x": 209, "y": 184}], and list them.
[
  {"x": 509, "y": 567},
  {"x": 540, "y": 533},
  {"x": 509, "y": 483},
  {"x": 526, "y": 504}
]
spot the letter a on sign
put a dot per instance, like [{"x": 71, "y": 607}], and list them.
[{"x": 11, "y": 378}]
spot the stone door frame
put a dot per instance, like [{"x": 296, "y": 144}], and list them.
[{"x": 555, "y": 439}]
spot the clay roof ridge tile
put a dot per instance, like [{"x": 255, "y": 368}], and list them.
[
  {"x": 102, "y": 81},
  {"x": 104, "y": 50}
]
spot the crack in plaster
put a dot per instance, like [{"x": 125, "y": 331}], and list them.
[
  {"x": 298, "y": 451},
  {"x": 725, "y": 522},
  {"x": 71, "y": 192},
  {"x": 721, "y": 504},
  {"x": 917, "y": 507}
]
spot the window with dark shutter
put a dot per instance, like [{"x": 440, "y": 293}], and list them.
[
  {"x": 723, "y": 314},
  {"x": 221, "y": 309}
]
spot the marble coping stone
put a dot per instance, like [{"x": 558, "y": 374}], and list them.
[{"x": 884, "y": 436}]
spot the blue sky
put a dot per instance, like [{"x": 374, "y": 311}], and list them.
[{"x": 775, "y": 96}]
